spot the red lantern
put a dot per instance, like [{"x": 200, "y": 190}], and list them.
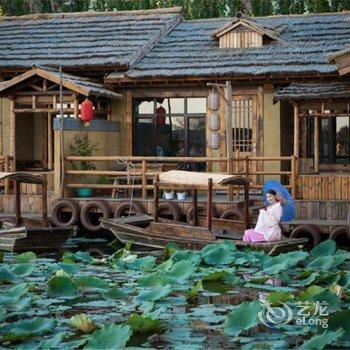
[
  {"x": 160, "y": 114},
  {"x": 86, "y": 111}
]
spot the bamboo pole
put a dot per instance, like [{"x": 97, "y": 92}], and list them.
[
  {"x": 296, "y": 134},
  {"x": 210, "y": 204},
  {"x": 316, "y": 146},
  {"x": 144, "y": 179},
  {"x": 293, "y": 180},
  {"x": 195, "y": 207},
  {"x": 7, "y": 169},
  {"x": 155, "y": 198},
  {"x": 44, "y": 202},
  {"x": 13, "y": 134},
  {"x": 18, "y": 203},
  {"x": 62, "y": 189}
]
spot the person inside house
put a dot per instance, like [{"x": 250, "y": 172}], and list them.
[{"x": 267, "y": 228}]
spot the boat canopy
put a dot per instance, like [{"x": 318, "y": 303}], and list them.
[
  {"x": 23, "y": 177},
  {"x": 192, "y": 178}
]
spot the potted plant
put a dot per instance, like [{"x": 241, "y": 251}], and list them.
[{"x": 83, "y": 147}]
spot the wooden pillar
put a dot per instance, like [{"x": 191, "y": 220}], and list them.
[
  {"x": 210, "y": 204},
  {"x": 44, "y": 202},
  {"x": 316, "y": 145},
  {"x": 293, "y": 178},
  {"x": 13, "y": 134},
  {"x": 144, "y": 179},
  {"x": 49, "y": 142},
  {"x": 156, "y": 198},
  {"x": 127, "y": 148},
  {"x": 195, "y": 207},
  {"x": 18, "y": 203},
  {"x": 76, "y": 107},
  {"x": 7, "y": 169},
  {"x": 296, "y": 134},
  {"x": 246, "y": 207}
]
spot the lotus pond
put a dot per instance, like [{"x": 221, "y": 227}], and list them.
[{"x": 219, "y": 297}]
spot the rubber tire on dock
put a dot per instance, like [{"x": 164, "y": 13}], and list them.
[
  {"x": 71, "y": 206},
  {"x": 307, "y": 231},
  {"x": 200, "y": 208},
  {"x": 125, "y": 206},
  {"x": 172, "y": 208},
  {"x": 84, "y": 214},
  {"x": 338, "y": 232},
  {"x": 232, "y": 214}
]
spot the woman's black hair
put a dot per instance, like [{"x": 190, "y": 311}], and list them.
[{"x": 273, "y": 192}]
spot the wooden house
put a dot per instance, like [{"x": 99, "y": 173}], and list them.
[{"x": 149, "y": 74}]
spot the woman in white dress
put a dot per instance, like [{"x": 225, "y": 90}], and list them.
[{"x": 267, "y": 228}]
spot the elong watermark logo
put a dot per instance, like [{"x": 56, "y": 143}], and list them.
[{"x": 306, "y": 314}]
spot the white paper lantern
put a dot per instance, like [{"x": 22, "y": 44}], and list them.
[
  {"x": 215, "y": 140},
  {"x": 213, "y": 101},
  {"x": 214, "y": 122}
]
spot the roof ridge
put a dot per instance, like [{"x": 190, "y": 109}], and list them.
[{"x": 38, "y": 16}]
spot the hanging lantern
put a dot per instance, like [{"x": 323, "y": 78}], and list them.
[
  {"x": 213, "y": 100},
  {"x": 86, "y": 111},
  {"x": 214, "y": 122},
  {"x": 160, "y": 115},
  {"x": 215, "y": 140}
]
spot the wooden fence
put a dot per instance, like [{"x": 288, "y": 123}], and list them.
[{"x": 144, "y": 169}]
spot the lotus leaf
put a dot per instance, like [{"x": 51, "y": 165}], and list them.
[
  {"x": 23, "y": 329},
  {"x": 153, "y": 294},
  {"x": 215, "y": 276},
  {"x": 277, "y": 298},
  {"x": 83, "y": 323},
  {"x": 327, "y": 247},
  {"x": 23, "y": 269},
  {"x": 109, "y": 337},
  {"x": 320, "y": 341},
  {"x": 7, "y": 276},
  {"x": 61, "y": 286},
  {"x": 90, "y": 282},
  {"x": 153, "y": 279},
  {"x": 146, "y": 263},
  {"x": 218, "y": 254},
  {"x": 15, "y": 303},
  {"x": 242, "y": 317},
  {"x": 195, "y": 290},
  {"x": 115, "y": 293},
  {"x": 25, "y": 257},
  {"x": 52, "y": 343},
  {"x": 340, "y": 319},
  {"x": 170, "y": 249},
  {"x": 181, "y": 271},
  {"x": 142, "y": 324}
]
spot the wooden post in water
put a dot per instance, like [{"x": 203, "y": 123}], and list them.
[
  {"x": 195, "y": 205},
  {"x": 156, "y": 198},
  {"x": 18, "y": 203},
  {"x": 44, "y": 202},
  {"x": 210, "y": 203}
]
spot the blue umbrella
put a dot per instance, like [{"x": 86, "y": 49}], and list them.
[{"x": 285, "y": 198}]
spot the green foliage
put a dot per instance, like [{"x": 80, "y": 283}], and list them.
[
  {"x": 61, "y": 286},
  {"x": 243, "y": 317},
  {"x": 320, "y": 341},
  {"x": 25, "y": 257},
  {"x": 109, "y": 337},
  {"x": 142, "y": 324},
  {"x": 23, "y": 329},
  {"x": 192, "y": 9}
]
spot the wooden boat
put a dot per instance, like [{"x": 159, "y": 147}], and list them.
[
  {"x": 154, "y": 232},
  {"x": 18, "y": 233}
]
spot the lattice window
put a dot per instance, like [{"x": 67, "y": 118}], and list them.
[{"x": 242, "y": 125}]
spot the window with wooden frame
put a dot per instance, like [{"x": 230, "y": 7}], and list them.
[{"x": 243, "y": 124}]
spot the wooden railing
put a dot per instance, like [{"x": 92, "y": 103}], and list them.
[{"x": 146, "y": 168}]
